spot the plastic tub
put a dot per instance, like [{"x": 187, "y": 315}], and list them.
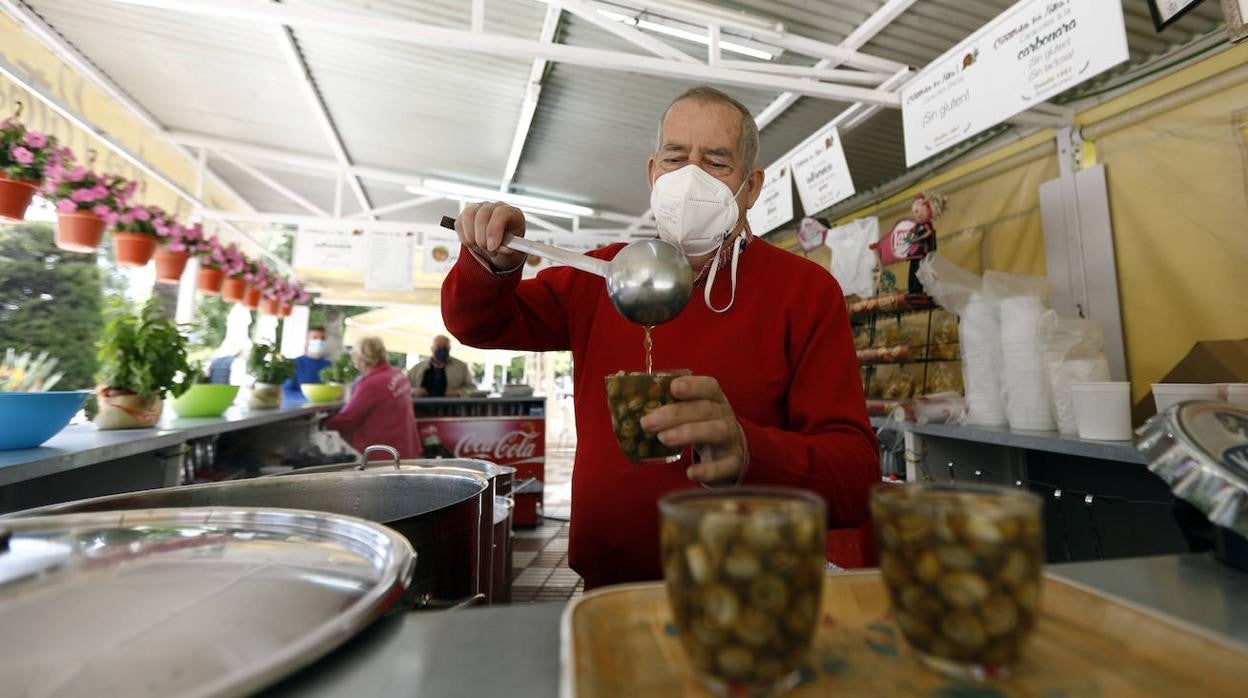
[
  {"x": 1102, "y": 410},
  {"x": 205, "y": 400},
  {"x": 29, "y": 419},
  {"x": 1234, "y": 393},
  {"x": 1166, "y": 395}
]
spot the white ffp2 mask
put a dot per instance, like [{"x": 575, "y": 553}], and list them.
[{"x": 693, "y": 210}]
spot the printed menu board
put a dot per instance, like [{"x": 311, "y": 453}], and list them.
[
  {"x": 821, "y": 172},
  {"x": 329, "y": 249},
  {"x": 774, "y": 206},
  {"x": 1031, "y": 52},
  {"x": 389, "y": 261}
]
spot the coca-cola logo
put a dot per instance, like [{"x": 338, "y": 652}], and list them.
[{"x": 514, "y": 445}]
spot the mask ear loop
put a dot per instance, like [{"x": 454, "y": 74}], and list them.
[{"x": 710, "y": 282}]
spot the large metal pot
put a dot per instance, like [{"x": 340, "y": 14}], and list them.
[
  {"x": 438, "y": 510},
  {"x": 494, "y": 555}
]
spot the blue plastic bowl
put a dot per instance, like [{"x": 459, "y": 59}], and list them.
[{"x": 29, "y": 419}]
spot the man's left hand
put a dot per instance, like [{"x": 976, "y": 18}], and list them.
[{"x": 702, "y": 418}]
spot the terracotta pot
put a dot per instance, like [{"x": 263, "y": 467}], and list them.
[
  {"x": 79, "y": 232},
  {"x": 170, "y": 265},
  {"x": 133, "y": 249},
  {"x": 15, "y": 196},
  {"x": 251, "y": 299},
  {"x": 270, "y": 306},
  {"x": 284, "y": 310},
  {"x": 265, "y": 396},
  {"x": 210, "y": 280},
  {"x": 127, "y": 411},
  {"x": 232, "y": 290}
]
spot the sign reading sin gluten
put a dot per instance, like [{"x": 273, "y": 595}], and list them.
[{"x": 1029, "y": 53}]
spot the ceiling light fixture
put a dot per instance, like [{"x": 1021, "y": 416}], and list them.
[
  {"x": 468, "y": 192},
  {"x": 688, "y": 35}
]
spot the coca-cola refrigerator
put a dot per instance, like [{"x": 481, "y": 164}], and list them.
[{"x": 505, "y": 431}]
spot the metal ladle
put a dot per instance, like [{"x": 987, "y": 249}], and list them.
[{"x": 649, "y": 281}]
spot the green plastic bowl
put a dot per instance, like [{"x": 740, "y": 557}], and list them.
[
  {"x": 205, "y": 400},
  {"x": 321, "y": 392}
]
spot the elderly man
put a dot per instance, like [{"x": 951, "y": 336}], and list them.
[
  {"x": 440, "y": 375},
  {"x": 775, "y": 398}
]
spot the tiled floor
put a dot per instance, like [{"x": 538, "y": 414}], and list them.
[{"x": 540, "y": 554}]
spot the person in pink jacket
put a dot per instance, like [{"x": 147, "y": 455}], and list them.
[{"x": 379, "y": 410}]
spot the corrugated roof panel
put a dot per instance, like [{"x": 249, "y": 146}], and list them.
[
  {"x": 441, "y": 114},
  {"x": 212, "y": 75}
]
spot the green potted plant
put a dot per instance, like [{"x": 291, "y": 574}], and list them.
[
  {"x": 269, "y": 369},
  {"x": 141, "y": 357}
]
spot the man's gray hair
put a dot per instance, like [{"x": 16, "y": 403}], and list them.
[{"x": 748, "y": 145}]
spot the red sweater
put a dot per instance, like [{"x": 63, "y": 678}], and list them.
[
  {"x": 380, "y": 412},
  {"x": 783, "y": 355}
]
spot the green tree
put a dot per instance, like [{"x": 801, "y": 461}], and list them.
[
  {"x": 50, "y": 301},
  {"x": 208, "y": 326}
]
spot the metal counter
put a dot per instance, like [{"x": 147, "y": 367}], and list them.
[{"x": 513, "y": 652}]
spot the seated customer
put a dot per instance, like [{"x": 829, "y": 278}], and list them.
[
  {"x": 441, "y": 376},
  {"x": 379, "y": 410},
  {"x": 309, "y": 366}
]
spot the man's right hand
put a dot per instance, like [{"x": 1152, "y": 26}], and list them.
[{"x": 481, "y": 228}]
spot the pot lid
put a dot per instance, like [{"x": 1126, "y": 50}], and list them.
[
  {"x": 1201, "y": 450},
  {"x": 186, "y": 602}
]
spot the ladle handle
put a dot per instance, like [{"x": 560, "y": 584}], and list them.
[{"x": 575, "y": 260}]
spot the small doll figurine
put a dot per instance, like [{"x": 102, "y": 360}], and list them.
[{"x": 912, "y": 239}]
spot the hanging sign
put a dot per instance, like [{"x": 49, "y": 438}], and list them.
[
  {"x": 329, "y": 249},
  {"x": 774, "y": 206},
  {"x": 821, "y": 172},
  {"x": 389, "y": 261},
  {"x": 441, "y": 251},
  {"x": 1029, "y": 53}
]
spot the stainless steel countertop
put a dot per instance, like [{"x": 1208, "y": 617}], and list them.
[
  {"x": 513, "y": 651},
  {"x": 80, "y": 445}
]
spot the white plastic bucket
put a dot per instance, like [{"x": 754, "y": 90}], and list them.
[
  {"x": 1102, "y": 410},
  {"x": 1166, "y": 395},
  {"x": 1235, "y": 393}
]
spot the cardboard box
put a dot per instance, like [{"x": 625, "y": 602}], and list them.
[{"x": 1222, "y": 361}]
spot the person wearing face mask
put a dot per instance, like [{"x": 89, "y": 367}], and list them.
[
  {"x": 309, "y": 366},
  {"x": 775, "y": 397},
  {"x": 441, "y": 375}
]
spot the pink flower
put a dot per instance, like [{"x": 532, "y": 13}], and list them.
[
  {"x": 36, "y": 139},
  {"x": 126, "y": 218},
  {"x": 66, "y": 206},
  {"x": 82, "y": 196},
  {"x": 102, "y": 211},
  {"x": 99, "y": 192},
  {"x": 54, "y": 170},
  {"x": 77, "y": 174},
  {"x": 21, "y": 155},
  {"x": 141, "y": 214},
  {"x": 129, "y": 190},
  {"x": 176, "y": 245}
]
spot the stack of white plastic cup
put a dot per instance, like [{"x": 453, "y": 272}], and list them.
[
  {"x": 980, "y": 336},
  {"x": 1024, "y": 379},
  {"x": 1103, "y": 410},
  {"x": 1166, "y": 395}
]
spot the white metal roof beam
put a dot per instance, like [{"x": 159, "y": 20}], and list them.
[
  {"x": 273, "y": 184},
  {"x": 75, "y": 60},
  {"x": 858, "y": 38},
  {"x": 286, "y": 39},
  {"x": 632, "y": 35},
  {"x": 531, "y": 96},
  {"x": 397, "y": 206},
  {"x": 848, "y": 77},
  {"x": 494, "y": 44}
]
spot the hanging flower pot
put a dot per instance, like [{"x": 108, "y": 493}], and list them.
[
  {"x": 210, "y": 280},
  {"x": 15, "y": 196},
  {"x": 170, "y": 265},
  {"x": 284, "y": 309},
  {"x": 270, "y": 306},
  {"x": 251, "y": 298},
  {"x": 79, "y": 232},
  {"x": 133, "y": 249},
  {"x": 232, "y": 290}
]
